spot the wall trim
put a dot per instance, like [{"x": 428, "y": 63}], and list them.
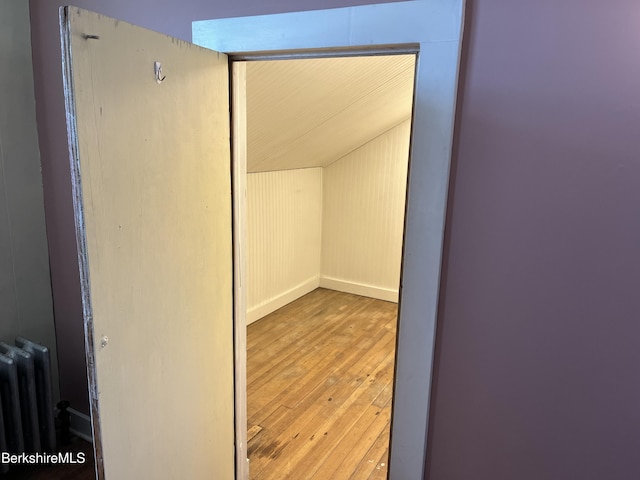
[
  {"x": 80, "y": 425},
  {"x": 387, "y": 294},
  {"x": 271, "y": 305}
]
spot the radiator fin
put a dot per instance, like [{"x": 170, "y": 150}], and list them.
[{"x": 9, "y": 393}]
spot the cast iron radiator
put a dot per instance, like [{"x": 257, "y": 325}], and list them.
[{"x": 26, "y": 399}]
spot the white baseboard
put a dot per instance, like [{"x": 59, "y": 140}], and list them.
[
  {"x": 380, "y": 293},
  {"x": 80, "y": 425},
  {"x": 271, "y": 305}
]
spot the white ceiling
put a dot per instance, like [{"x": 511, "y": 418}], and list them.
[{"x": 311, "y": 112}]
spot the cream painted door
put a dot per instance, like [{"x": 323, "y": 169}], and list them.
[{"x": 148, "y": 122}]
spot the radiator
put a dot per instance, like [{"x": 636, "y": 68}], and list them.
[
  {"x": 26, "y": 399},
  {"x": 44, "y": 392}
]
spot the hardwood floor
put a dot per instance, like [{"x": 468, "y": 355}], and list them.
[{"x": 320, "y": 380}]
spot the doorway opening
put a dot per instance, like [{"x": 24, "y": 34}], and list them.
[
  {"x": 202, "y": 188},
  {"x": 327, "y": 151}
]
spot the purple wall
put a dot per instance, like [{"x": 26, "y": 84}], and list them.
[{"x": 537, "y": 350}]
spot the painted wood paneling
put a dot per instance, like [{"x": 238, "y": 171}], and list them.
[
  {"x": 363, "y": 217},
  {"x": 239, "y": 167},
  {"x": 325, "y": 107},
  {"x": 284, "y": 227},
  {"x": 152, "y": 188},
  {"x": 26, "y": 306}
]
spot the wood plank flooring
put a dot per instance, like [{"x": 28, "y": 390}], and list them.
[{"x": 320, "y": 380}]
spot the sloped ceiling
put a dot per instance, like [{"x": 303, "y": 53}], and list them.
[{"x": 311, "y": 112}]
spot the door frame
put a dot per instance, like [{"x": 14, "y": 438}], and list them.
[
  {"x": 237, "y": 71},
  {"x": 434, "y": 28}
]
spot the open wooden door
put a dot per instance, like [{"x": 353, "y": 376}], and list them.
[{"x": 148, "y": 122}]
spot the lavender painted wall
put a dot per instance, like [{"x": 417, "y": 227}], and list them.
[{"x": 537, "y": 348}]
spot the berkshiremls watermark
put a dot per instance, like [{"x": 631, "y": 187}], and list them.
[{"x": 61, "y": 458}]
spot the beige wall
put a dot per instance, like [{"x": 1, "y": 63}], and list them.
[
  {"x": 26, "y": 307},
  {"x": 363, "y": 216},
  {"x": 339, "y": 227},
  {"x": 284, "y": 220}
]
